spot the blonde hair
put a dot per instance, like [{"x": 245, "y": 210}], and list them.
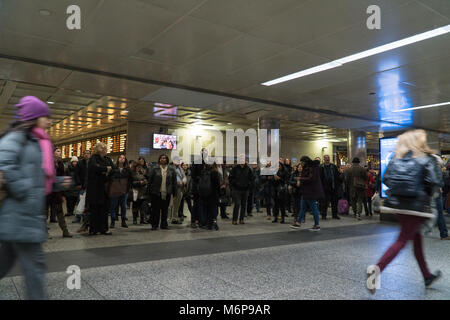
[
  {"x": 99, "y": 147},
  {"x": 414, "y": 141}
]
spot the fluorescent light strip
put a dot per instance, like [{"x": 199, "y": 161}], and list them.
[
  {"x": 362, "y": 55},
  {"x": 424, "y": 107}
]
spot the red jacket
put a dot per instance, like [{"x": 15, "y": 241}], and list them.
[{"x": 370, "y": 185}]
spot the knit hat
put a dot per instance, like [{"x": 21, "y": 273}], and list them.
[
  {"x": 74, "y": 159},
  {"x": 31, "y": 108}
]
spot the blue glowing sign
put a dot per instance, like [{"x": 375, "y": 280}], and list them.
[{"x": 387, "y": 149}]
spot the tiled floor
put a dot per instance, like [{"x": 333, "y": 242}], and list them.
[{"x": 259, "y": 260}]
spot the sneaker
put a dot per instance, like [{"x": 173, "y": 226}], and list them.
[
  {"x": 429, "y": 281},
  {"x": 296, "y": 225},
  {"x": 315, "y": 228}
]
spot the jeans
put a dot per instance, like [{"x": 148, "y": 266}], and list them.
[
  {"x": 410, "y": 230},
  {"x": 240, "y": 202},
  {"x": 312, "y": 205},
  {"x": 32, "y": 259},
  {"x": 116, "y": 202},
  {"x": 441, "y": 219}
]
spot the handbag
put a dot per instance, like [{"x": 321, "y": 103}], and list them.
[
  {"x": 376, "y": 202},
  {"x": 135, "y": 195},
  {"x": 81, "y": 204},
  {"x": 447, "y": 200},
  {"x": 117, "y": 187},
  {"x": 343, "y": 206}
]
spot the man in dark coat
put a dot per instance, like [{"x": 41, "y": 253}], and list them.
[
  {"x": 329, "y": 175},
  {"x": 241, "y": 181},
  {"x": 356, "y": 178}
]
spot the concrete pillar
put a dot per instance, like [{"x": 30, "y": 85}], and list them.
[{"x": 356, "y": 143}]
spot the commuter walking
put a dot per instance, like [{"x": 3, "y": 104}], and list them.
[
  {"x": 81, "y": 171},
  {"x": 140, "y": 194},
  {"x": 329, "y": 175},
  {"x": 370, "y": 191},
  {"x": 28, "y": 174},
  {"x": 181, "y": 182},
  {"x": 73, "y": 194},
  {"x": 443, "y": 231},
  {"x": 187, "y": 192},
  {"x": 253, "y": 197},
  {"x": 296, "y": 190},
  {"x": 312, "y": 191},
  {"x": 55, "y": 199},
  {"x": 356, "y": 178},
  {"x": 99, "y": 168},
  {"x": 119, "y": 185},
  {"x": 162, "y": 185},
  {"x": 224, "y": 192},
  {"x": 241, "y": 182},
  {"x": 411, "y": 180},
  {"x": 280, "y": 183}
]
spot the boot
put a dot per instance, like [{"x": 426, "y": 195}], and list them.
[
  {"x": 124, "y": 224},
  {"x": 66, "y": 234}
]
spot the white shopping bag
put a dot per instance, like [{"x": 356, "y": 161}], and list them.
[
  {"x": 376, "y": 202},
  {"x": 81, "y": 204}
]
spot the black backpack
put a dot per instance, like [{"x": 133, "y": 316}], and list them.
[
  {"x": 204, "y": 184},
  {"x": 404, "y": 177}
]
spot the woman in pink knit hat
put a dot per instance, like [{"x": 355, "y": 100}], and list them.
[{"x": 28, "y": 175}]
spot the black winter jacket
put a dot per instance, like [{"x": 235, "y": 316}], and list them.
[
  {"x": 155, "y": 180},
  {"x": 241, "y": 178},
  {"x": 419, "y": 183}
]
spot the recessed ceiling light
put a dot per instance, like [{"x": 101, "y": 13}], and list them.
[
  {"x": 229, "y": 123},
  {"x": 423, "y": 107},
  {"x": 50, "y": 102},
  {"x": 44, "y": 12},
  {"x": 362, "y": 55}
]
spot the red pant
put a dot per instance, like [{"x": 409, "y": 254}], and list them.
[{"x": 410, "y": 230}]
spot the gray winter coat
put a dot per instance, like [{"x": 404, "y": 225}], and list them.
[{"x": 22, "y": 216}]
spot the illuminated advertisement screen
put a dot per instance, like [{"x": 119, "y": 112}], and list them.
[
  {"x": 164, "y": 141},
  {"x": 387, "y": 149}
]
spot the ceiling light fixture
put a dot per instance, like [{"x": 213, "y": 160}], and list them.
[
  {"x": 423, "y": 107},
  {"x": 50, "y": 102},
  {"x": 362, "y": 55}
]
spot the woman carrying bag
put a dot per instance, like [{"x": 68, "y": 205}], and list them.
[{"x": 411, "y": 178}]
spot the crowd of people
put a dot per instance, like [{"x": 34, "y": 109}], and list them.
[
  {"x": 34, "y": 182},
  {"x": 157, "y": 193}
]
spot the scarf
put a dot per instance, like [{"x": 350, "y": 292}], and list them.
[
  {"x": 163, "y": 182},
  {"x": 47, "y": 158}
]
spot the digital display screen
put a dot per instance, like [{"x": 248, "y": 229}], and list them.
[
  {"x": 387, "y": 149},
  {"x": 164, "y": 141},
  {"x": 114, "y": 143}
]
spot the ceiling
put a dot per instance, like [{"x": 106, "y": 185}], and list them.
[{"x": 211, "y": 56}]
